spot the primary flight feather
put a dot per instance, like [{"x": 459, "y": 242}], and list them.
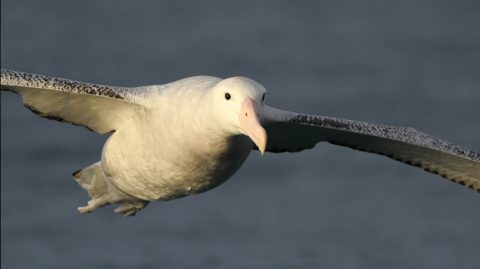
[{"x": 188, "y": 136}]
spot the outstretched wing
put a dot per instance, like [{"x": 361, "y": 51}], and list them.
[
  {"x": 292, "y": 132},
  {"x": 99, "y": 108}
]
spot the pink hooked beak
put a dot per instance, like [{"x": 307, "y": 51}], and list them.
[{"x": 250, "y": 124}]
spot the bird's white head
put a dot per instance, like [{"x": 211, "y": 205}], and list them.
[{"x": 237, "y": 102}]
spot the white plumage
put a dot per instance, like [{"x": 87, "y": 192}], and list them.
[{"x": 186, "y": 137}]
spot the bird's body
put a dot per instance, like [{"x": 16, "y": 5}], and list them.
[
  {"x": 196, "y": 157},
  {"x": 186, "y": 137},
  {"x": 139, "y": 164}
]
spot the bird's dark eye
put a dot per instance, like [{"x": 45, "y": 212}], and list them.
[
  {"x": 227, "y": 96},
  {"x": 263, "y": 97}
]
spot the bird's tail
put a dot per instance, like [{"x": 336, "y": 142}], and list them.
[{"x": 92, "y": 178}]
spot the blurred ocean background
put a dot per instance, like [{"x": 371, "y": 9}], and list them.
[{"x": 405, "y": 63}]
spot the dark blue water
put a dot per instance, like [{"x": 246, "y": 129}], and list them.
[{"x": 408, "y": 63}]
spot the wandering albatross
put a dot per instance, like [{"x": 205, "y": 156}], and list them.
[{"x": 186, "y": 137}]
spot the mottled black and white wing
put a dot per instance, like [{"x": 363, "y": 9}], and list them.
[
  {"x": 99, "y": 108},
  {"x": 292, "y": 132}
]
